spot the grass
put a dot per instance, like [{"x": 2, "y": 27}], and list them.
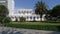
[{"x": 36, "y": 25}]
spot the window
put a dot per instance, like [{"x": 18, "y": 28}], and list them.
[
  {"x": 37, "y": 17},
  {"x": 30, "y": 17},
  {"x": 33, "y": 17},
  {"x": 19, "y": 12},
  {"x": 27, "y": 12},
  {"x": 30, "y": 11}
]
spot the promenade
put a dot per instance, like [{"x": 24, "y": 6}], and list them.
[{"x": 9, "y": 30}]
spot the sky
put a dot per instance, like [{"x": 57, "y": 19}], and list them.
[{"x": 29, "y": 4}]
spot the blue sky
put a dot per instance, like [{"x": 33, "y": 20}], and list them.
[{"x": 29, "y": 4}]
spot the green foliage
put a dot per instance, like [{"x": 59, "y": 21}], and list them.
[
  {"x": 7, "y": 20},
  {"x": 1, "y": 18},
  {"x": 22, "y": 19},
  {"x": 3, "y": 12},
  {"x": 16, "y": 19},
  {"x": 39, "y": 26},
  {"x": 54, "y": 14},
  {"x": 52, "y": 21},
  {"x": 40, "y": 8},
  {"x": 56, "y": 11}
]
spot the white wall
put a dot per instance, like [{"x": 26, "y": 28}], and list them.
[{"x": 11, "y": 6}]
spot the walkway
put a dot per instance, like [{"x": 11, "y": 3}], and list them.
[{"x": 9, "y": 30}]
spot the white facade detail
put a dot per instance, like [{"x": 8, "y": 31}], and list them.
[
  {"x": 28, "y": 14},
  {"x": 11, "y": 6}
]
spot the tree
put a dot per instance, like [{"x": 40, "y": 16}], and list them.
[
  {"x": 3, "y": 12},
  {"x": 22, "y": 19},
  {"x": 56, "y": 11},
  {"x": 7, "y": 20},
  {"x": 40, "y": 8},
  {"x": 16, "y": 19},
  {"x": 48, "y": 16}
]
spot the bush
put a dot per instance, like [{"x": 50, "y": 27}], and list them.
[
  {"x": 35, "y": 26},
  {"x": 1, "y": 18},
  {"x": 16, "y": 20},
  {"x": 52, "y": 21},
  {"x": 22, "y": 19},
  {"x": 3, "y": 12},
  {"x": 7, "y": 20}
]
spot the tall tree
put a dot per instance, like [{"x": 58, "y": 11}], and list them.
[
  {"x": 56, "y": 11},
  {"x": 3, "y": 12},
  {"x": 40, "y": 8}
]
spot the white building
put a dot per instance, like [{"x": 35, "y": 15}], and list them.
[
  {"x": 28, "y": 14},
  {"x": 11, "y": 6}
]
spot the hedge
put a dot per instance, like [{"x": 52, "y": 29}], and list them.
[{"x": 38, "y": 27}]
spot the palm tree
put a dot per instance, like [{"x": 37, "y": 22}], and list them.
[{"x": 40, "y": 8}]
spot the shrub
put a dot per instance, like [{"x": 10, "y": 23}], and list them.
[
  {"x": 22, "y": 19},
  {"x": 16, "y": 20},
  {"x": 7, "y": 20},
  {"x": 1, "y": 18},
  {"x": 35, "y": 26}
]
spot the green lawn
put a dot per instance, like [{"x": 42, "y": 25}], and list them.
[{"x": 35, "y": 25}]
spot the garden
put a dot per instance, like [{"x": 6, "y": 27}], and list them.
[{"x": 35, "y": 25}]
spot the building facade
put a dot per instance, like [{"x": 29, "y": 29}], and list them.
[
  {"x": 11, "y": 6},
  {"x": 28, "y": 14}
]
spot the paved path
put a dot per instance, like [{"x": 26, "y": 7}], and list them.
[{"x": 9, "y": 30}]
